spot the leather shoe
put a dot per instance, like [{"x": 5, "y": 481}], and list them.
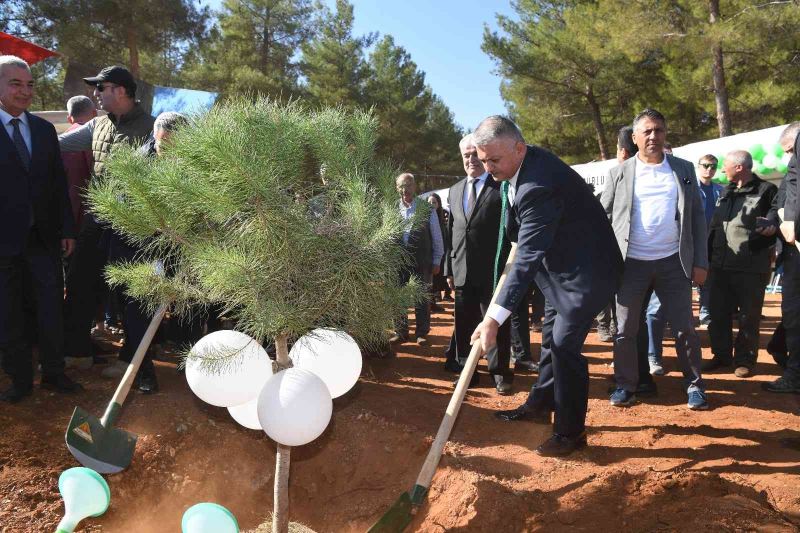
[
  {"x": 15, "y": 393},
  {"x": 529, "y": 366},
  {"x": 503, "y": 388},
  {"x": 526, "y": 413},
  {"x": 559, "y": 445},
  {"x": 147, "y": 383},
  {"x": 453, "y": 366},
  {"x": 60, "y": 383}
]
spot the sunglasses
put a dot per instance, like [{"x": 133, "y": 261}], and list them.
[
  {"x": 101, "y": 88},
  {"x": 708, "y": 165}
]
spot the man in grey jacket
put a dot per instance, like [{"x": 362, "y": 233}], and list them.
[{"x": 654, "y": 206}]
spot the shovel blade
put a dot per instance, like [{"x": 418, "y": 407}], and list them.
[
  {"x": 397, "y": 518},
  {"x": 106, "y": 450}
]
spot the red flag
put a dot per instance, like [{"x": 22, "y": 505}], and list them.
[{"x": 28, "y": 51}]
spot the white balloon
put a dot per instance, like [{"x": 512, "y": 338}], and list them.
[
  {"x": 770, "y": 161},
  {"x": 294, "y": 407},
  {"x": 332, "y": 355},
  {"x": 246, "y": 414},
  {"x": 238, "y": 381}
]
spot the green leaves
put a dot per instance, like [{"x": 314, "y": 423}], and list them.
[{"x": 238, "y": 209}]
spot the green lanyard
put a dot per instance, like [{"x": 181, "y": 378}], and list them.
[{"x": 501, "y": 232}]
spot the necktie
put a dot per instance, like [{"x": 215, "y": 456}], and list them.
[
  {"x": 501, "y": 231},
  {"x": 471, "y": 195},
  {"x": 19, "y": 142}
]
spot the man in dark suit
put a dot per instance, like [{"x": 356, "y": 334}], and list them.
[
  {"x": 474, "y": 227},
  {"x": 563, "y": 241},
  {"x": 36, "y": 218}
]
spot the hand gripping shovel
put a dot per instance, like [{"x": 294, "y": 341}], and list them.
[
  {"x": 98, "y": 445},
  {"x": 402, "y": 512}
]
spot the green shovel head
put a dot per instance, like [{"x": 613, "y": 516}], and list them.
[
  {"x": 397, "y": 518},
  {"x": 106, "y": 450}
]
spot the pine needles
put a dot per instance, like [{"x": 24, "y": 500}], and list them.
[{"x": 238, "y": 210}]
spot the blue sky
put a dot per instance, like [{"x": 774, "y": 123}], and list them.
[{"x": 444, "y": 39}]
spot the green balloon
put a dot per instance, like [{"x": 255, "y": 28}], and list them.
[
  {"x": 720, "y": 160},
  {"x": 777, "y": 150},
  {"x": 757, "y": 151},
  {"x": 760, "y": 169},
  {"x": 722, "y": 180},
  {"x": 782, "y": 167}
]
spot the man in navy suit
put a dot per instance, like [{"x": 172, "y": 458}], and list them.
[
  {"x": 562, "y": 240},
  {"x": 36, "y": 218}
]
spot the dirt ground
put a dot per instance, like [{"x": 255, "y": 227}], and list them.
[{"x": 653, "y": 467}]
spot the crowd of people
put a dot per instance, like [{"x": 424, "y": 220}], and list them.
[
  {"x": 523, "y": 223},
  {"x": 523, "y": 230}
]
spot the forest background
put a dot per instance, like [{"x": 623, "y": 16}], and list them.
[{"x": 572, "y": 72}]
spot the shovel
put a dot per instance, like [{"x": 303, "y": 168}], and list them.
[
  {"x": 402, "y": 512},
  {"x": 96, "y": 444}
]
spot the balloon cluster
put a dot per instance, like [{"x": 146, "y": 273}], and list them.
[
  {"x": 294, "y": 406},
  {"x": 766, "y": 161}
]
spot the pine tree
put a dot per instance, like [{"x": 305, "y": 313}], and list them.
[
  {"x": 333, "y": 64},
  {"x": 238, "y": 210}
]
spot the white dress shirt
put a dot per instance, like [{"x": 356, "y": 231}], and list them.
[
  {"x": 481, "y": 181},
  {"x": 24, "y": 128}
]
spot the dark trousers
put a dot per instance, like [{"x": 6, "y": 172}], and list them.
[
  {"x": 470, "y": 307},
  {"x": 643, "y": 344},
  {"x": 608, "y": 317},
  {"x": 35, "y": 276},
  {"x": 422, "y": 311},
  {"x": 563, "y": 382},
  {"x": 520, "y": 326},
  {"x": 731, "y": 290},
  {"x": 790, "y": 308},
  {"x": 84, "y": 286}
]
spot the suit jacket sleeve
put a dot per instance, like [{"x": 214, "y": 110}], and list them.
[
  {"x": 448, "y": 261},
  {"x": 699, "y": 228},
  {"x": 607, "y": 196},
  {"x": 790, "y": 202},
  {"x": 539, "y": 213}
]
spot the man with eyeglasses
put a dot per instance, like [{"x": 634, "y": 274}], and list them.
[
  {"x": 126, "y": 122},
  {"x": 709, "y": 192}
]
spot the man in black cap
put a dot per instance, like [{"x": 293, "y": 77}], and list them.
[{"x": 126, "y": 122}]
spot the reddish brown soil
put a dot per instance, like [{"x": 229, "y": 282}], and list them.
[{"x": 653, "y": 467}]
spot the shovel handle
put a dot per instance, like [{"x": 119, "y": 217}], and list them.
[
  {"x": 442, "y": 436},
  {"x": 124, "y": 386}
]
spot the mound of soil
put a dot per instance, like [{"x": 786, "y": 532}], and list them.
[{"x": 653, "y": 467}]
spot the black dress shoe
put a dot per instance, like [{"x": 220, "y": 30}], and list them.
[
  {"x": 503, "y": 388},
  {"x": 525, "y": 412},
  {"x": 60, "y": 383},
  {"x": 559, "y": 445},
  {"x": 453, "y": 366},
  {"x": 15, "y": 393},
  {"x": 472, "y": 383},
  {"x": 527, "y": 365},
  {"x": 147, "y": 383}
]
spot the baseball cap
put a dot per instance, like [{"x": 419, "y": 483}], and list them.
[{"x": 116, "y": 75}]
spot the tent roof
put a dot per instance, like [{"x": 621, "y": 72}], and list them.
[{"x": 21, "y": 48}]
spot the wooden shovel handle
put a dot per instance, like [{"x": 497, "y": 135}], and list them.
[
  {"x": 130, "y": 374},
  {"x": 442, "y": 436}
]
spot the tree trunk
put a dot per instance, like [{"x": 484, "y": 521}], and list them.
[
  {"x": 280, "y": 511},
  {"x": 597, "y": 120},
  {"x": 133, "y": 50},
  {"x": 718, "y": 72}
]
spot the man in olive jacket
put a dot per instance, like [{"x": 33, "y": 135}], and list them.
[
  {"x": 739, "y": 246},
  {"x": 126, "y": 122}
]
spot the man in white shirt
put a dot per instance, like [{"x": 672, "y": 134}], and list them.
[{"x": 654, "y": 206}]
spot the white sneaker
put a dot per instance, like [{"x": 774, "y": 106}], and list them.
[
  {"x": 81, "y": 363},
  {"x": 655, "y": 367},
  {"x": 115, "y": 370}
]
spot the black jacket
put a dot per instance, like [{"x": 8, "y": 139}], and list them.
[
  {"x": 40, "y": 192},
  {"x": 733, "y": 242},
  {"x": 473, "y": 246}
]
